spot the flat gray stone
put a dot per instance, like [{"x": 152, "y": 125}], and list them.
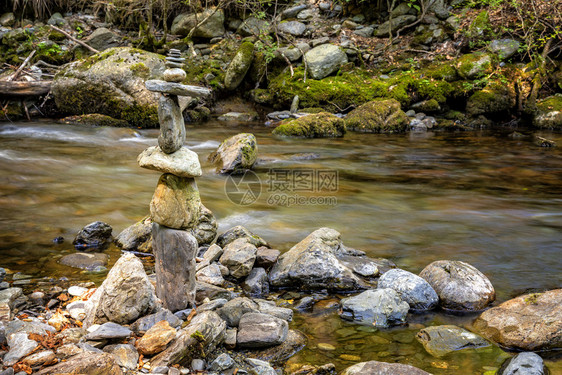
[
  {"x": 20, "y": 346},
  {"x": 182, "y": 163},
  {"x": 442, "y": 340},
  {"x": 125, "y": 355},
  {"x": 109, "y": 331},
  {"x": 295, "y": 28},
  {"x": 174, "y": 88},
  {"x": 85, "y": 261},
  {"x": 377, "y": 307}
]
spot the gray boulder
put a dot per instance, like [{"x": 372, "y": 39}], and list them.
[
  {"x": 313, "y": 264},
  {"x": 124, "y": 296},
  {"x": 94, "y": 236},
  {"x": 411, "y": 288},
  {"x": 254, "y": 27},
  {"x": 258, "y": 330},
  {"x": 504, "y": 48},
  {"x": 239, "y": 256},
  {"x": 233, "y": 310},
  {"x": 378, "y": 307},
  {"x": 526, "y": 363},
  {"x": 20, "y": 346},
  {"x": 236, "y": 154},
  {"x": 210, "y": 275},
  {"x": 382, "y": 368},
  {"x": 442, "y": 340},
  {"x": 294, "y": 28},
  {"x": 102, "y": 39},
  {"x": 459, "y": 285},
  {"x": 135, "y": 235},
  {"x": 212, "y": 27},
  {"x": 278, "y": 355},
  {"x": 221, "y": 363},
  {"x": 394, "y": 25},
  {"x": 324, "y": 60},
  {"x": 257, "y": 282},
  {"x": 111, "y": 83}
]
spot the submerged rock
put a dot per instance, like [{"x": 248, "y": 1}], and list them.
[
  {"x": 382, "y": 368},
  {"x": 411, "y": 288},
  {"x": 378, "y": 116},
  {"x": 459, "y": 285},
  {"x": 125, "y": 295},
  {"x": 96, "y": 235},
  {"x": 236, "y": 154},
  {"x": 320, "y": 125},
  {"x": 378, "y": 307},
  {"x": 86, "y": 261},
  {"x": 324, "y": 60},
  {"x": 313, "y": 264},
  {"x": 111, "y": 83},
  {"x": 442, "y": 340},
  {"x": 530, "y": 322}
]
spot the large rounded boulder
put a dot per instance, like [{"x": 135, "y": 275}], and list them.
[
  {"x": 324, "y": 60},
  {"x": 320, "y": 125},
  {"x": 413, "y": 289},
  {"x": 236, "y": 154},
  {"x": 111, "y": 83},
  {"x": 459, "y": 285},
  {"x": 531, "y": 322}
]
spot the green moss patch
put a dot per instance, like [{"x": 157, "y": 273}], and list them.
[{"x": 378, "y": 116}]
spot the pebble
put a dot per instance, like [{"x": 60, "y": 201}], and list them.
[
  {"x": 326, "y": 346},
  {"x": 77, "y": 291}
]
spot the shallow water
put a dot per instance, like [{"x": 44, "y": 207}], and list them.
[{"x": 479, "y": 197}]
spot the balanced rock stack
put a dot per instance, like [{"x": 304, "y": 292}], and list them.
[{"x": 176, "y": 204}]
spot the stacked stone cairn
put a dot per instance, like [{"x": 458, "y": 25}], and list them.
[{"x": 175, "y": 206}]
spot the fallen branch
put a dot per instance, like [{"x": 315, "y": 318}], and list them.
[
  {"x": 74, "y": 39},
  {"x": 18, "y": 71}
]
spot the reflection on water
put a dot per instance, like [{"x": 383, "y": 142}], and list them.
[{"x": 484, "y": 198}]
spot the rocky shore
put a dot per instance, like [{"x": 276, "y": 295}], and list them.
[{"x": 236, "y": 327}]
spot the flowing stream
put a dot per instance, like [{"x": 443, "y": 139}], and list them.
[{"x": 481, "y": 197}]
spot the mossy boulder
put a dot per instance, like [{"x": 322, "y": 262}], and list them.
[
  {"x": 495, "y": 98},
  {"x": 236, "y": 154},
  {"x": 111, "y": 83},
  {"x": 549, "y": 113},
  {"x": 474, "y": 65},
  {"x": 378, "y": 116},
  {"x": 480, "y": 26},
  {"x": 319, "y": 125},
  {"x": 239, "y": 66}
]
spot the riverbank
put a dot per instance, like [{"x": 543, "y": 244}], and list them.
[{"x": 464, "y": 214}]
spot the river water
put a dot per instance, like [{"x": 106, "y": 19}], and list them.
[{"x": 482, "y": 197}]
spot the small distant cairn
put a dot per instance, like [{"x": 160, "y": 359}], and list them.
[{"x": 176, "y": 204}]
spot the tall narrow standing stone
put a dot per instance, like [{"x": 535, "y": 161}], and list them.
[
  {"x": 175, "y": 205},
  {"x": 172, "y": 128},
  {"x": 174, "y": 254}
]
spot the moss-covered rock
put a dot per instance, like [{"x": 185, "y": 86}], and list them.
[
  {"x": 480, "y": 26},
  {"x": 236, "y": 154},
  {"x": 495, "y": 98},
  {"x": 111, "y": 83},
  {"x": 320, "y": 125},
  {"x": 549, "y": 113},
  {"x": 378, "y": 116},
  {"x": 239, "y": 66},
  {"x": 474, "y": 65},
  {"x": 94, "y": 119}
]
